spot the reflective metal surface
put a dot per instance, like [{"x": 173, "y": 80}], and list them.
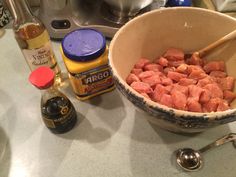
[
  {"x": 127, "y": 7},
  {"x": 63, "y": 16},
  {"x": 191, "y": 160},
  {"x": 78, "y": 14}
]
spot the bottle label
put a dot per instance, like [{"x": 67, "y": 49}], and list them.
[
  {"x": 92, "y": 82},
  {"x": 66, "y": 116},
  {"x": 66, "y": 119},
  {"x": 42, "y": 56}
]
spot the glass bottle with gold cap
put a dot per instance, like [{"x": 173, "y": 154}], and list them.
[{"x": 32, "y": 37}]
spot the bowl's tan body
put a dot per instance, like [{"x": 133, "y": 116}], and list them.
[{"x": 149, "y": 35}]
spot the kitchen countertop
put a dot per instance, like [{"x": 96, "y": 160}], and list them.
[{"x": 111, "y": 138}]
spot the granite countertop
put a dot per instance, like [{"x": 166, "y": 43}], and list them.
[{"x": 111, "y": 139}]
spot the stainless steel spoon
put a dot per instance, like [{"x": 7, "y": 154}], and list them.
[{"x": 191, "y": 160}]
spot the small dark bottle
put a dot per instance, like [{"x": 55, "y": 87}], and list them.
[{"x": 57, "y": 111}]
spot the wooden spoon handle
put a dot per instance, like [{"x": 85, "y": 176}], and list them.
[{"x": 215, "y": 44}]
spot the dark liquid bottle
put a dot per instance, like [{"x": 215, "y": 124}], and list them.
[
  {"x": 57, "y": 111},
  {"x": 58, "y": 114}
]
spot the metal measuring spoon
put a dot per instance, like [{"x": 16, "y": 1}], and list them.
[{"x": 191, "y": 160}]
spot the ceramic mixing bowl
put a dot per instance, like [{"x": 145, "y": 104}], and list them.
[{"x": 149, "y": 35}]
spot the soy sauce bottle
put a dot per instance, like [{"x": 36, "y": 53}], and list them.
[{"x": 57, "y": 111}]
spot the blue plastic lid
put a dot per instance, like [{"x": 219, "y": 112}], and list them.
[{"x": 84, "y": 44}]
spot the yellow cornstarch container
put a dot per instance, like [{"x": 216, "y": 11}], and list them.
[{"x": 85, "y": 55}]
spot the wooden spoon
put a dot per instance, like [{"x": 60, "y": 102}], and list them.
[{"x": 202, "y": 52}]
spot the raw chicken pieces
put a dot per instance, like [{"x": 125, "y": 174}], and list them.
[{"x": 192, "y": 85}]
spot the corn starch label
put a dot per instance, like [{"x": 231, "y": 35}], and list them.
[{"x": 92, "y": 81}]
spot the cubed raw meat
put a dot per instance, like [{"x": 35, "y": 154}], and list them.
[
  {"x": 152, "y": 80},
  {"x": 132, "y": 78},
  {"x": 169, "y": 88},
  {"x": 229, "y": 96},
  {"x": 166, "y": 81},
  {"x": 179, "y": 100},
  {"x": 142, "y": 62},
  {"x": 173, "y": 54},
  {"x": 215, "y": 90},
  {"x": 218, "y": 74},
  {"x": 191, "y": 84},
  {"x": 158, "y": 92},
  {"x": 195, "y": 60},
  {"x": 136, "y": 71},
  {"x": 167, "y": 69},
  {"x": 183, "y": 68},
  {"x": 194, "y": 92},
  {"x": 211, "y": 105},
  {"x": 176, "y": 63},
  {"x": 186, "y": 81},
  {"x": 193, "y": 105},
  {"x": 180, "y": 88},
  {"x": 197, "y": 74},
  {"x": 205, "y": 81},
  {"x": 166, "y": 100},
  {"x": 214, "y": 66},
  {"x": 226, "y": 83},
  {"x": 195, "y": 68},
  {"x": 146, "y": 74},
  {"x": 223, "y": 106},
  {"x": 175, "y": 76},
  {"x": 163, "y": 61},
  {"x": 141, "y": 87},
  {"x": 153, "y": 67},
  {"x": 205, "y": 96}
]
